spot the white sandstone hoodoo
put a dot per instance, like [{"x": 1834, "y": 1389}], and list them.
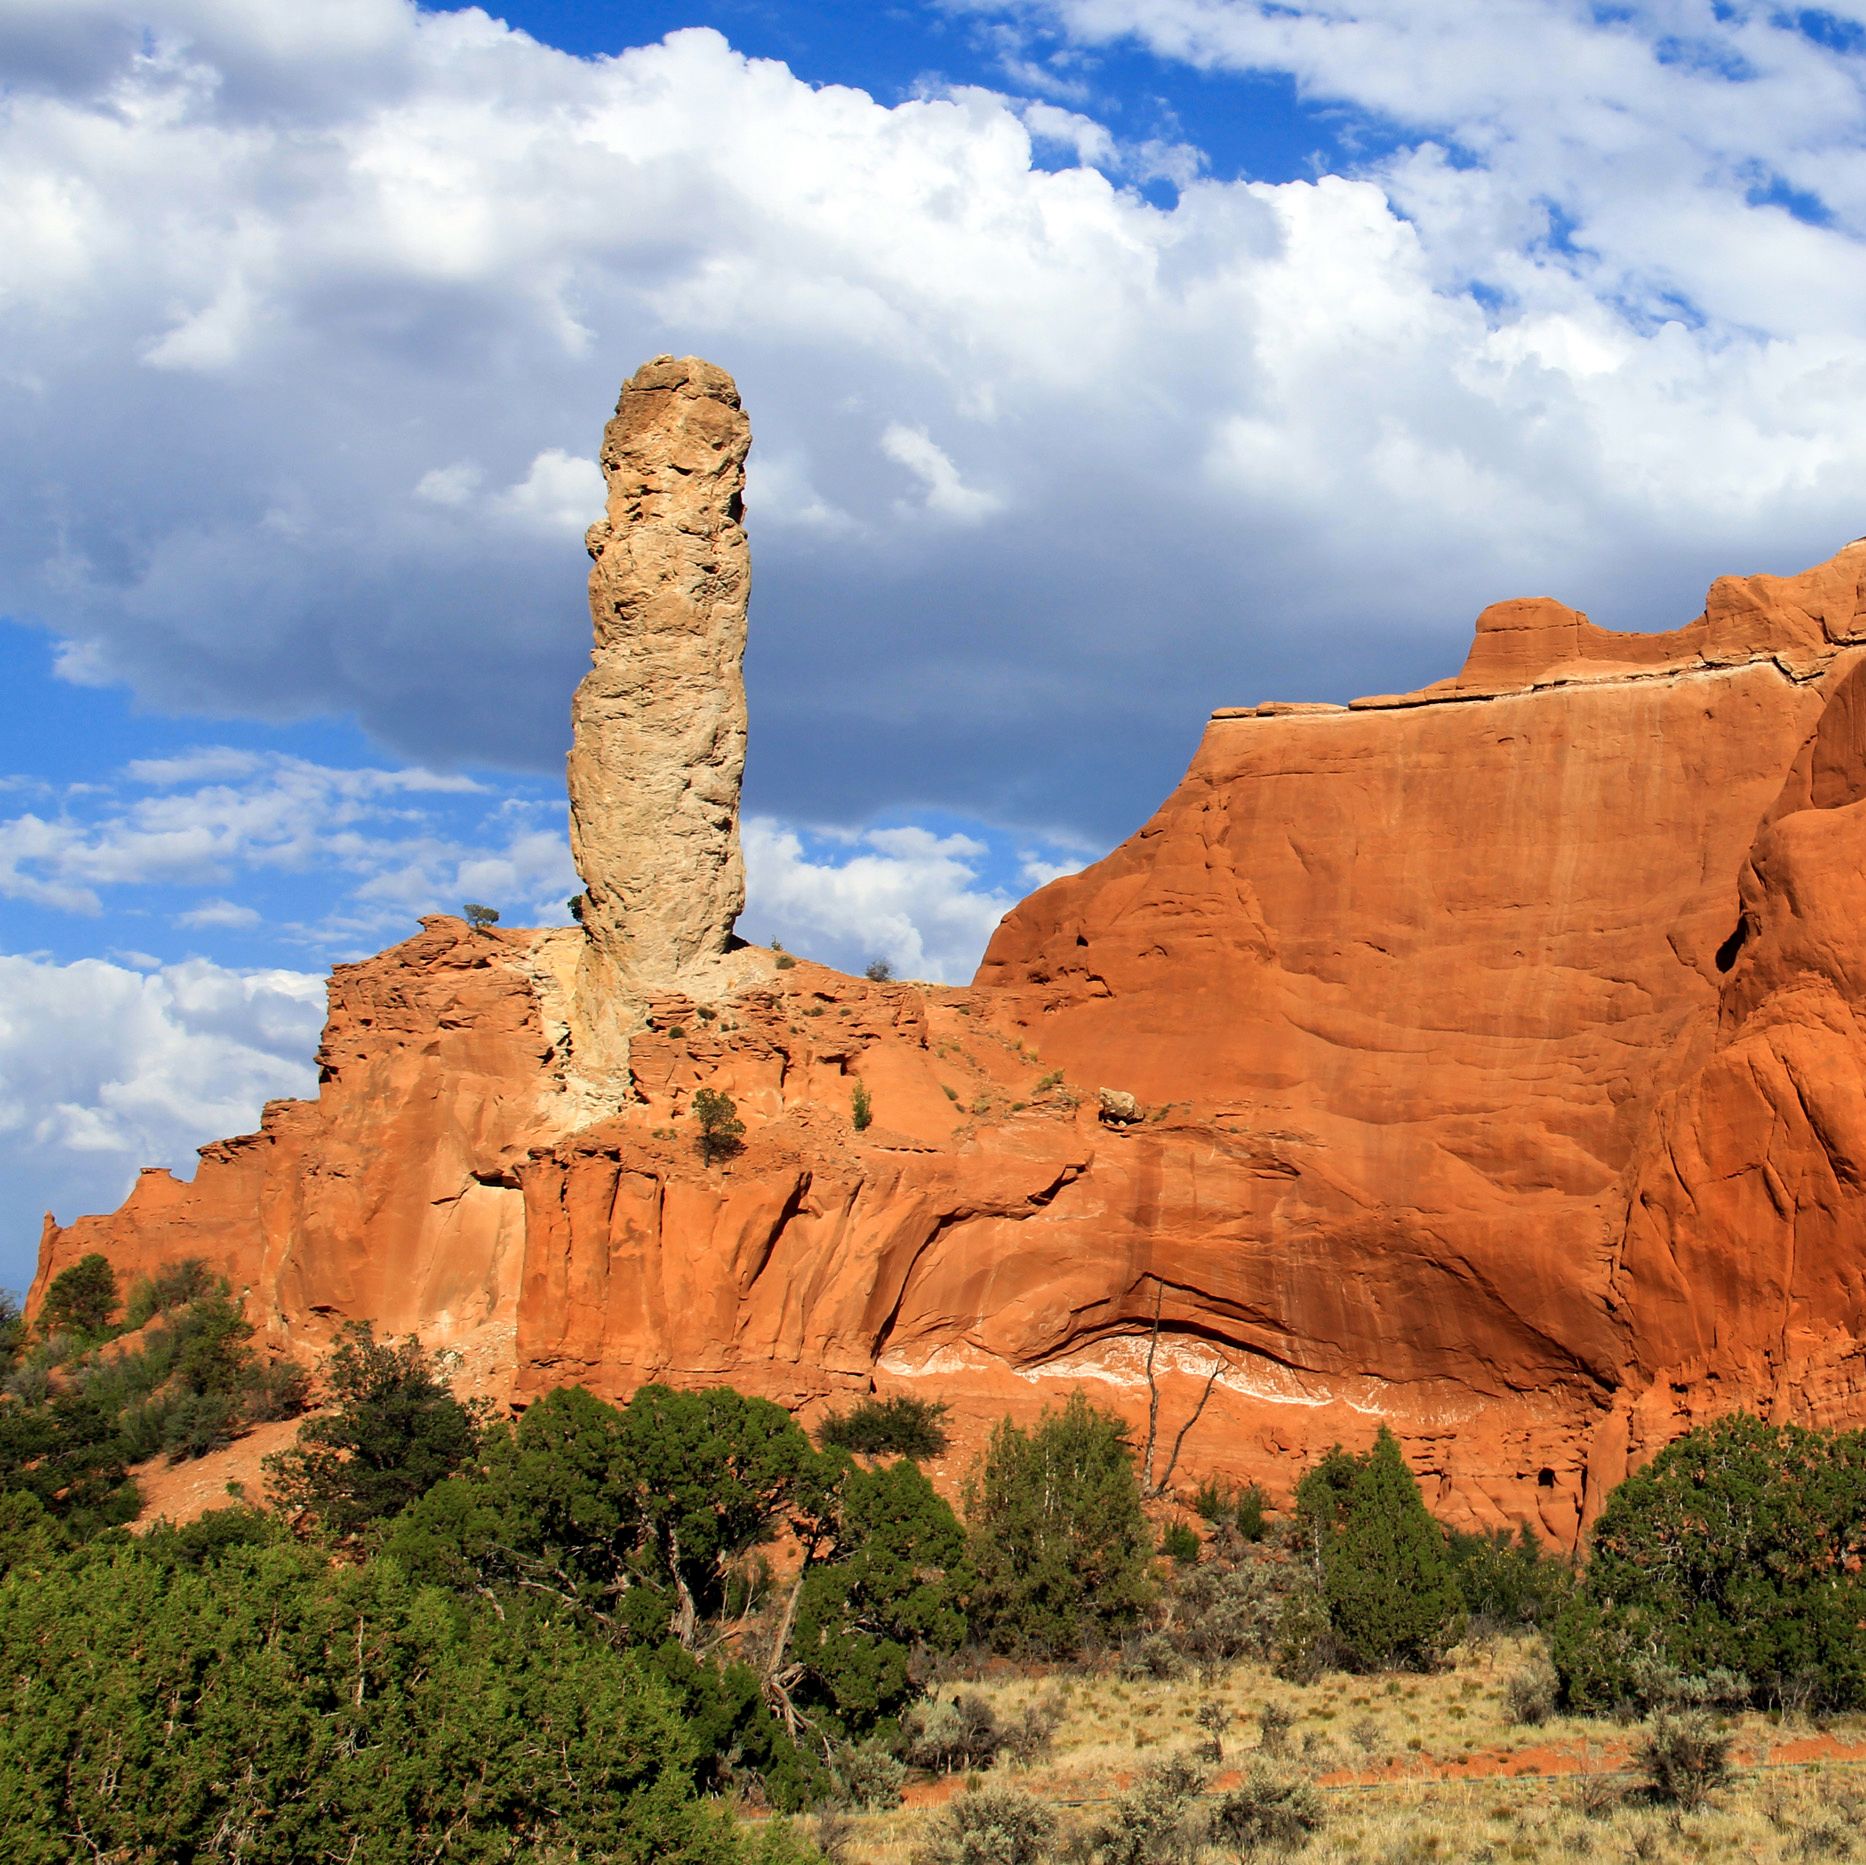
[{"x": 658, "y": 723}]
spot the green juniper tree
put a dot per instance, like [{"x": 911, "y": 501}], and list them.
[
  {"x": 1736, "y": 1557},
  {"x": 1060, "y": 1543},
  {"x": 892, "y": 1586},
  {"x": 722, "y": 1132},
  {"x": 1380, "y": 1560},
  {"x": 267, "y": 1705},
  {"x": 394, "y": 1430},
  {"x": 81, "y": 1299}
]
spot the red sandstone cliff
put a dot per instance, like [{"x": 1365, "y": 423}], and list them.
[{"x": 1499, "y": 1047}]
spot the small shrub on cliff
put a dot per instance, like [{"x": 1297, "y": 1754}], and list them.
[
  {"x": 861, "y": 1107},
  {"x": 902, "y": 1426},
  {"x": 1247, "y": 1510},
  {"x": 722, "y": 1132},
  {"x": 1741, "y": 1550},
  {"x": 1180, "y": 1543},
  {"x": 481, "y": 919},
  {"x": 172, "y": 1286}
]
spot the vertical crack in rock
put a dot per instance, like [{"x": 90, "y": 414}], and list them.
[{"x": 658, "y": 723}]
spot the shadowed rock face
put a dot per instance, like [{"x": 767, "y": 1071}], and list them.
[
  {"x": 1485, "y": 1061},
  {"x": 658, "y": 723}
]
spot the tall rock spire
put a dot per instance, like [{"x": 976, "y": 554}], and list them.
[{"x": 658, "y": 723}]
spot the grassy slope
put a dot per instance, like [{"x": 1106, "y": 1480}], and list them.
[{"x": 1431, "y": 1768}]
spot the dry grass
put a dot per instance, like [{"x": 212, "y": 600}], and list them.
[{"x": 1382, "y": 1746}]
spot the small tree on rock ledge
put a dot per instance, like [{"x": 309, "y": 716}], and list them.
[
  {"x": 481, "y": 919},
  {"x": 722, "y": 1132}
]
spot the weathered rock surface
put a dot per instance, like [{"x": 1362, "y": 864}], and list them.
[
  {"x": 658, "y": 723},
  {"x": 394, "y": 1195},
  {"x": 1491, "y": 1060}
]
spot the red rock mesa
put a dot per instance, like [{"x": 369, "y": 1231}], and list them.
[{"x": 1495, "y": 1053}]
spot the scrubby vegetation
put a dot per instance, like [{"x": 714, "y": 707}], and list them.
[
  {"x": 1732, "y": 1568},
  {"x": 722, "y": 1132},
  {"x": 1060, "y": 1541},
  {"x": 898, "y": 1427},
  {"x": 598, "y": 1631},
  {"x": 91, "y": 1392}
]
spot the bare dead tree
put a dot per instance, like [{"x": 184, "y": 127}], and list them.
[
  {"x": 1150, "y": 1487},
  {"x": 1153, "y": 1388},
  {"x": 1211, "y": 1379}
]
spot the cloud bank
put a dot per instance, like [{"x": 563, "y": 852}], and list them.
[
  {"x": 307, "y": 335},
  {"x": 106, "y": 1067}
]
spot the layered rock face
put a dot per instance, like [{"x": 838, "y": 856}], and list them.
[
  {"x": 658, "y": 723},
  {"x": 1485, "y": 1061}
]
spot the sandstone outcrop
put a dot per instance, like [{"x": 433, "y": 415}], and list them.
[
  {"x": 1492, "y": 1065},
  {"x": 658, "y": 723}
]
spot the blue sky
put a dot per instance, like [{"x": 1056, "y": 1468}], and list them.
[{"x": 1108, "y": 360}]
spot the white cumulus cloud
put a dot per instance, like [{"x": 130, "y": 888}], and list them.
[
  {"x": 105, "y": 1068},
  {"x": 1047, "y": 466},
  {"x": 907, "y": 895}
]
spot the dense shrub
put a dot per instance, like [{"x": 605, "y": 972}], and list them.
[
  {"x": 1221, "y": 1613},
  {"x": 1151, "y": 1654},
  {"x": 81, "y": 1299},
  {"x": 394, "y": 1430},
  {"x": 1271, "y": 1808},
  {"x": 1031, "y": 1733},
  {"x": 1682, "y": 1758},
  {"x": 1302, "y": 1638},
  {"x": 1508, "y": 1581},
  {"x": 946, "y": 1735},
  {"x": 1738, "y": 1550},
  {"x": 268, "y": 1707},
  {"x": 901, "y": 1426},
  {"x": 1156, "y": 1822},
  {"x": 1060, "y": 1544},
  {"x": 992, "y": 1826},
  {"x": 1380, "y": 1560},
  {"x": 1530, "y": 1695},
  {"x": 866, "y": 1775}
]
